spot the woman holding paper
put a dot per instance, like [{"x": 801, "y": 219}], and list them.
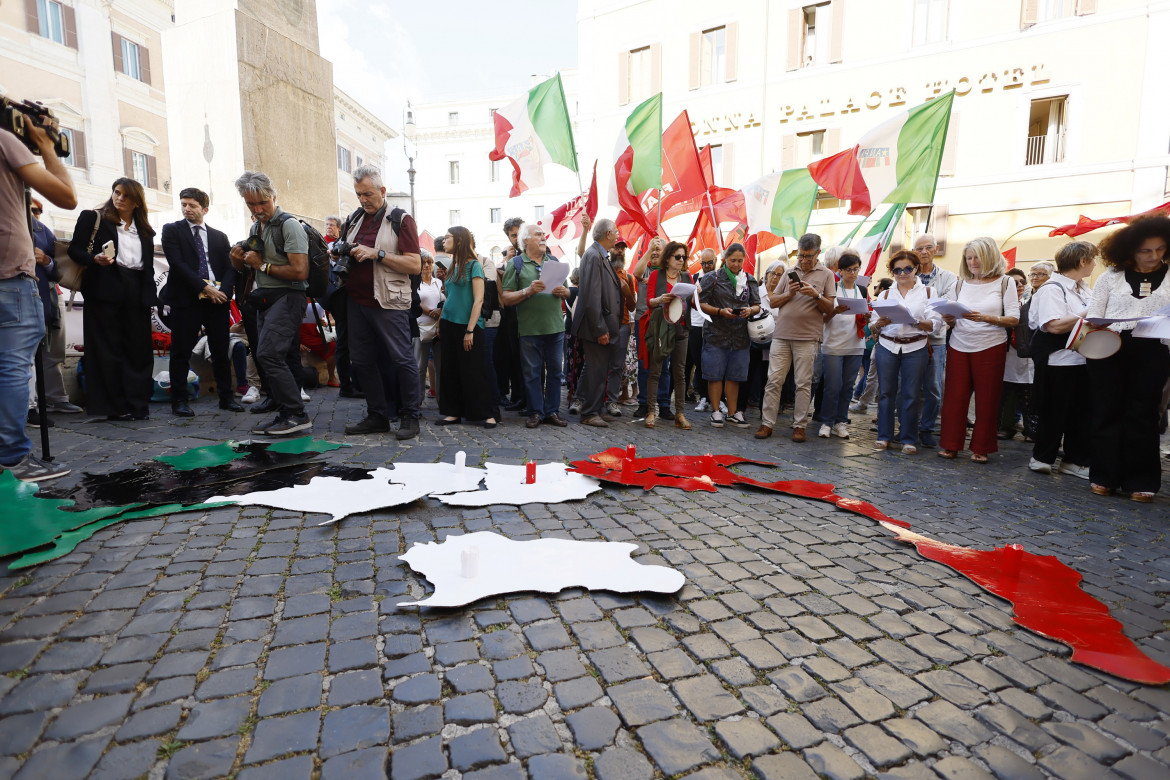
[
  {"x": 978, "y": 350},
  {"x": 842, "y": 348},
  {"x": 1127, "y": 387},
  {"x": 902, "y": 350},
  {"x": 663, "y": 336},
  {"x": 115, "y": 243}
]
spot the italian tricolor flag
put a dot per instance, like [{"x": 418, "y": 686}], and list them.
[
  {"x": 637, "y": 162},
  {"x": 877, "y": 240},
  {"x": 896, "y": 162},
  {"x": 534, "y": 131},
  {"x": 780, "y": 203}
]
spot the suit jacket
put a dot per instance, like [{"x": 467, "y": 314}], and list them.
[
  {"x": 599, "y": 297},
  {"x": 111, "y": 283},
  {"x": 183, "y": 282}
]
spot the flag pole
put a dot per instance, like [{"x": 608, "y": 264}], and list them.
[
  {"x": 853, "y": 233},
  {"x": 715, "y": 222}
]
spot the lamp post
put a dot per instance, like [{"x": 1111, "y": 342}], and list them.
[{"x": 408, "y": 132}]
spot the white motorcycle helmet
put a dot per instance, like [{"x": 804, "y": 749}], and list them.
[{"x": 761, "y": 326}]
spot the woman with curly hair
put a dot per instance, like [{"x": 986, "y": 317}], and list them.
[{"x": 1127, "y": 387}]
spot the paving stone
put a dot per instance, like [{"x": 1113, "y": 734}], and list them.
[
  {"x": 579, "y": 610},
  {"x": 470, "y": 678},
  {"x": 126, "y": 762},
  {"x": 676, "y": 745},
  {"x": 398, "y": 645},
  {"x": 21, "y": 732},
  {"x": 499, "y": 645},
  {"x": 791, "y": 644},
  {"x": 672, "y": 664},
  {"x": 418, "y": 761},
  {"x": 955, "y": 689},
  {"x": 116, "y": 679},
  {"x": 641, "y": 702},
  {"x": 915, "y": 735},
  {"x": 734, "y": 672},
  {"x": 706, "y": 698},
  {"x": 651, "y": 639},
  {"x": 949, "y": 720},
  {"x": 229, "y": 682},
  {"x": 634, "y": 618},
  {"x": 593, "y": 636},
  {"x": 355, "y": 687},
  {"x": 863, "y": 700},
  {"x": 19, "y": 655},
  {"x": 1007, "y": 765},
  {"x": 958, "y": 768},
  {"x": 1138, "y": 767},
  {"x": 550, "y": 636},
  {"x": 830, "y": 715},
  {"x": 706, "y": 647},
  {"x": 593, "y": 728},
  {"x": 511, "y": 771},
  {"x": 68, "y": 657},
  {"x": 294, "y": 768},
  {"x": 292, "y": 661},
  {"x": 881, "y": 749},
  {"x": 782, "y": 766},
  {"x": 465, "y": 710},
  {"x": 1139, "y": 736},
  {"x": 1062, "y": 697},
  {"x": 572, "y": 694},
  {"x": 795, "y": 729},
  {"x": 215, "y": 719},
  {"x": 764, "y": 699},
  {"x": 513, "y": 669},
  {"x": 1015, "y": 726},
  {"x": 1088, "y": 740},
  {"x": 369, "y": 764},
  {"x": 39, "y": 692},
  {"x": 899, "y": 656},
  {"x": 746, "y": 737},
  {"x": 560, "y": 665},
  {"x": 1025, "y": 703},
  {"x": 1069, "y": 763},
  {"x": 530, "y": 610},
  {"x": 149, "y": 723},
  {"x": 533, "y": 735},
  {"x": 406, "y": 665},
  {"x": 417, "y": 690},
  {"x": 617, "y": 664},
  {"x": 903, "y": 691},
  {"x": 796, "y": 685},
  {"x": 622, "y": 764},
  {"x": 451, "y": 653},
  {"x": 831, "y": 761},
  {"x": 203, "y": 760},
  {"x": 240, "y": 654},
  {"x": 354, "y": 654},
  {"x": 290, "y": 694},
  {"x": 89, "y": 716},
  {"x": 65, "y": 761},
  {"x": 477, "y": 749},
  {"x": 166, "y": 691},
  {"x": 556, "y": 766},
  {"x": 519, "y": 698}
]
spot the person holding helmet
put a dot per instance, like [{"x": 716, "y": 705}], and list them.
[{"x": 729, "y": 297}]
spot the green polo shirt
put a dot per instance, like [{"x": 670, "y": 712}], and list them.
[
  {"x": 540, "y": 315},
  {"x": 295, "y": 242}
]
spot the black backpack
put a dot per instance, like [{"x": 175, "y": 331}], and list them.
[
  {"x": 319, "y": 260},
  {"x": 1023, "y": 332}
]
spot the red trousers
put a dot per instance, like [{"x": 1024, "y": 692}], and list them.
[{"x": 981, "y": 373}]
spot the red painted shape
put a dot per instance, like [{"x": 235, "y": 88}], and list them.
[{"x": 1048, "y": 600}]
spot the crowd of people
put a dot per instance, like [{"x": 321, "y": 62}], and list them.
[{"x": 642, "y": 338}]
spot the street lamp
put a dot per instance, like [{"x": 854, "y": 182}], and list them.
[{"x": 408, "y": 132}]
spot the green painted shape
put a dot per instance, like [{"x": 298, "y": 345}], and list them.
[
  {"x": 302, "y": 445},
  {"x": 67, "y": 541},
  {"x": 203, "y": 457},
  {"x": 32, "y": 522}
]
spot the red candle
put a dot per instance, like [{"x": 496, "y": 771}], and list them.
[{"x": 530, "y": 472}]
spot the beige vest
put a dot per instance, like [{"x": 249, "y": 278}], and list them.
[{"x": 391, "y": 288}]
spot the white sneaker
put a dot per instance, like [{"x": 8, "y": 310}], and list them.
[
  {"x": 304, "y": 396},
  {"x": 723, "y": 407},
  {"x": 824, "y": 431},
  {"x": 737, "y": 419},
  {"x": 1073, "y": 470},
  {"x": 841, "y": 431},
  {"x": 1040, "y": 467},
  {"x": 858, "y": 406},
  {"x": 252, "y": 396},
  {"x": 702, "y": 406},
  {"x": 716, "y": 419}
]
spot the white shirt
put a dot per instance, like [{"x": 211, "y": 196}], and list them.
[
  {"x": 1113, "y": 298},
  {"x": 994, "y": 298},
  {"x": 129, "y": 247},
  {"x": 915, "y": 300},
  {"x": 697, "y": 315},
  {"x": 199, "y": 233},
  {"x": 430, "y": 294},
  {"x": 840, "y": 337},
  {"x": 1049, "y": 303}
]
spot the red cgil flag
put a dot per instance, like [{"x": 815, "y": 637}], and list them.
[
  {"x": 564, "y": 223},
  {"x": 1010, "y": 256},
  {"x": 427, "y": 241},
  {"x": 840, "y": 176},
  {"x": 1086, "y": 225},
  {"x": 682, "y": 170}
]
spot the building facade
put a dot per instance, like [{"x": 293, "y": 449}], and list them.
[{"x": 361, "y": 140}]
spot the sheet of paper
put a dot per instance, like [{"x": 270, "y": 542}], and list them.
[
  {"x": 1163, "y": 312},
  {"x": 683, "y": 290},
  {"x": 553, "y": 274},
  {"x": 1152, "y": 328},
  {"x": 863, "y": 281},
  {"x": 895, "y": 311},
  {"x": 952, "y": 308},
  {"x": 1099, "y": 321},
  {"x": 698, "y": 307},
  {"x": 856, "y": 305}
]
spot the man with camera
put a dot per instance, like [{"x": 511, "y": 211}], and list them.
[
  {"x": 278, "y": 297},
  {"x": 199, "y": 293},
  {"x": 378, "y": 252},
  {"x": 22, "y": 317}
]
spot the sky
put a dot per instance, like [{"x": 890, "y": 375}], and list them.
[{"x": 440, "y": 49}]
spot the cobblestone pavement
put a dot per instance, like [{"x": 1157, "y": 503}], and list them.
[{"x": 248, "y": 643}]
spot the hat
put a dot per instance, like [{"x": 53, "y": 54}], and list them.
[
  {"x": 443, "y": 260},
  {"x": 621, "y": 242}
]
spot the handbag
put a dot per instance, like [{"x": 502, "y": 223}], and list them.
[
  {"x": 69, "y": 271},
  {"x": 427, "y": 333}
]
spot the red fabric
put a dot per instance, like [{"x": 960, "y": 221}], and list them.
[
  {"x": 682, "y": 171},
  {"x": 981, "y": 373},
  {"x": 628, "y": 200},
  {"x": 312, "y": 339},
  {"x": 1010, "y": 256},
  {"x": 427, "y": 241},
  {"x": 840, "y": 175},
  {"x": 565, "y": 223},
  {"x": 503, "y": 129},
  {"x": 1086, "y": 225}
]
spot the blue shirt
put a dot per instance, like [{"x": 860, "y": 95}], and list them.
[
  {"x": 460, "y": 298},
  {"x": 44, "y": 240}
]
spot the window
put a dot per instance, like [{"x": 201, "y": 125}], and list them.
[
  {"x": 139, "y": 169},
  {"x": 492, "y": 114},
  {"x": 453, "y": 171},
  {"x": 1056, "y": 9},
  {"x": 72, "y": 158},
  {"x": 454, "y": 217},
  {"x": 51, "y": 20},
  {"x": 343, "y": 159},
  {"x": 359, "y": 162},
  {"x": 496, "y": 216},
  {"x": 717, "y": 162},
  {"x": 131, "y": 64},
  {"x": 713, "y": 57},
  {"x": 639, "y": 77},
  {"x": 452, "y": 118},
  {"x": 930, "y": 21},
  {"x": 1047, "y": 122},
  {"x": 537, "y": 213},
  {"x": 814, "y": 46},
  {"x": 810, "y": 146},
  {"x": 494, "y": 171}
]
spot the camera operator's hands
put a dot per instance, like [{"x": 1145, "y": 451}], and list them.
[
  {"x": 363, "y": 253},
  {"x": 41, "y": 257},
  {"x": 41, "y": 138}
]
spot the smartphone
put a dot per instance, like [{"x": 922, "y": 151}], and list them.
[{"x": 794, "y": 277}]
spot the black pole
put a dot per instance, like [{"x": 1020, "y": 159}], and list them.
[{"x": 42, "y": 409}]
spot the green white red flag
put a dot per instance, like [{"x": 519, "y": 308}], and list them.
[
  {"x": 637, "y": 162},
  {"x": 878, "y": 239},
  {"x": 534, "y": 131},
  {"x": 780, "y": 203}
]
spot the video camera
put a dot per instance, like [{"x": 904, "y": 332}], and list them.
[{"x": 15, "y": 117}]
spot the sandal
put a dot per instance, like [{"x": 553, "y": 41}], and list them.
[
  {"x": 1142, "y": 497},
  {"x": 880, "y": 445},
  {"x": 909, "y": 449},
  {"x": 978, "y": 458},
  {"x": 948, "y": 454},
  {"x": 1100, "y": 490}
]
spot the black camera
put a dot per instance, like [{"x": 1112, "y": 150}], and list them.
[
  {"x": 341, "y": 250},
  {"x": 16, "y": 117}
]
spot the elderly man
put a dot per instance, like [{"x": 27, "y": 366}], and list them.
[
  {"x": 506, "y": 357},
  {"x": 597, "y": 320},
  {"x": 540, "y": 323},
  {"x": 384, "y": 257},
  {"x": 802, "y": 303},
  {"x": 942, "y": 282}
]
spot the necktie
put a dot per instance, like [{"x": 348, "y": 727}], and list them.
[{"x": 203, "y": 270}]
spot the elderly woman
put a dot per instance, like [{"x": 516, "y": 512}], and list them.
[
  {"x": 977, "y": 351},
  {"x": 463, "y": 382},
  {"x": 1018, "y": 373},
  {"x": 1127, "y": 387},
  {"x": 841, "y": 350},
  {"x": 662, "y": 338},
  {"x": 902, "y": 353},
  {"x": 1041, "y": 272},
  {"x": 426, "y": 346},
  {"x": 1058, "y": 391},
  {"x": 729, "y": 296},
  {"x": 116, "y": 244}
]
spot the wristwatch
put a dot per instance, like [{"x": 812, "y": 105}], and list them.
[{"x": 381, "y": 254}]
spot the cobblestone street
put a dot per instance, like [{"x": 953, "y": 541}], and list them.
[{"x": 252, "y": 644}]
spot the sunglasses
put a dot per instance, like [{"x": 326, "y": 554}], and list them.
[
  {"x": 904, "y": 270},
  {"x": 678, "y": 256}
]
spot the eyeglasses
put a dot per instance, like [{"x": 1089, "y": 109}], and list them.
[
  {"x": 906, "y": 269},
  {"x": 1034, "y": 273},
  {"x": 678, "y": 256},
  {"x": 36, "y": 212},
  {"x": 850, "y": 270}
]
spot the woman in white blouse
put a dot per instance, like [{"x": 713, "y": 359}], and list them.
[
  {"x": 426, "y": 346},
  {"x": 1127, "y": 387},
  {"x": 978, "y": 350},
  {"x": 841, "y": 350},
  {"x": 1058, "y": 391},
  {"x": 902, "y": 353}
]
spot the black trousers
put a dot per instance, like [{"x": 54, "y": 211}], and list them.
[
  {"x": 292, "y": 359},
  {"x": 694, "y": 381},
  {"x": 185, "y": 325},
  {"x": 1062, "y": 403},
  {"x": 463, "y": 385},
  {"x": 119, "y": 359},
  {"x": 506, "y": 356},
  {"x": 1127, "y": 395},
  {"x": 593, "y": 377},
  {"x": 339, "y": 308}
]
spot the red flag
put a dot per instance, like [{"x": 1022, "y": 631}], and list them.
[
  {"x": 427, "y": 241},
  {"x": 1086, "y": 225},
  {"x": 1010, "y": 256},
  {"x": 682, "y": 171},
  {"x": 564, "y": 224},
  {"x": 840, "y": 176},
  {"x": 704, "y": 235}
]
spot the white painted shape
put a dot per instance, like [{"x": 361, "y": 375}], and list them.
[
  {"x": 505, "y": 485},
  {"x": 437, "y": 478},
  {"x": 543, "y": 565}
]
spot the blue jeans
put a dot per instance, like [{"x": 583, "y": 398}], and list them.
[
  {"x": 865, "y": 359},
  {"x": 22, "y": 326},
  {"x": 545, "y": 352},
  {"x": 932, "y": 387},
  {"x": 838, "y": 373},
  {"x": 899, "y": 380}
]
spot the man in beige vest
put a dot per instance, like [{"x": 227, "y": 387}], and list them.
[{"x": 381, "y": 262}]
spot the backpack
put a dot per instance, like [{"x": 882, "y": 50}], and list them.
[
  {"x": 1023, "y": 332},
  {"x": 319, "y": 260},
  {"x": 395, "y": 219}
]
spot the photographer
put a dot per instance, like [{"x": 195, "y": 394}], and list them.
[{"x": 20, "y": 305}]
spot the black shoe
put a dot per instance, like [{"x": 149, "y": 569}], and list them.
[
  {"x": 516, "y": 406},
  {"x": 285, "y": 425},
  {"x": 408, "y": 429},
  {"x": 372, "y": 423},
  {"x": 230, "y": 405},
  {"x": 664, "y": 413},
  {"x": 533, "y": 421},
  {"x": 349, "y": 392},
  {"x": 445, "y": 421},
  {"x": 34, "y": 419},
  {"x": 640, "y": 412},
  {"x": 267, "y": 405},
  {"x": 181, "y": 409},
  {"x": 120, "y": 417}
]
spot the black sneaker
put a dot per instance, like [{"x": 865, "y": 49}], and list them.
[
  {"x": 372, "y": 423},
  {"x": 291, "y": 424},
  {"x": 408, "y": 429},
  {"x": 34, "y": 419},
  {"x": 33, "y": 469},
  {"x": 640, "y": 412},
  {"x": 267, "y": 405},
  {"x": 664, "y": 413}
]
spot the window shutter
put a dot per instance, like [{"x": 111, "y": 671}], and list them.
[
  {"x": 729, "y": 165},
  {"x": 837, "y": 32},
  {"x": 144, "y": 64},
  {"x": 655, "y": 68},
  {"x": 898, "y": 238},
  {"x": 623, "y": 77},
  {"x": 696, "y": 78},
  {"x": 788, "y": 151},
  {"x": 80, "y": 159},
  {"x": 795, "y": 36},
  {"x": 1029, "y": 13},
  {"x": 1086, "y": 7},
  {"x": 69, "y": 21},
  {"x": 118, "y": 66},
  {"x": 127, "y": 163},
  {"x": 939, "y": 215},
  {"x": 832, "y": 143},
  {"x": 151, "y": 172},
  {"x": 31, "y": 17},
  {"x": 950, "y": 147},
  {"x": 731, "y": 51}
]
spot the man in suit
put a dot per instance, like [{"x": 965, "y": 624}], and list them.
[
  {"x": 198, "y": 292},
  {"x": 597, "y": 321}
]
